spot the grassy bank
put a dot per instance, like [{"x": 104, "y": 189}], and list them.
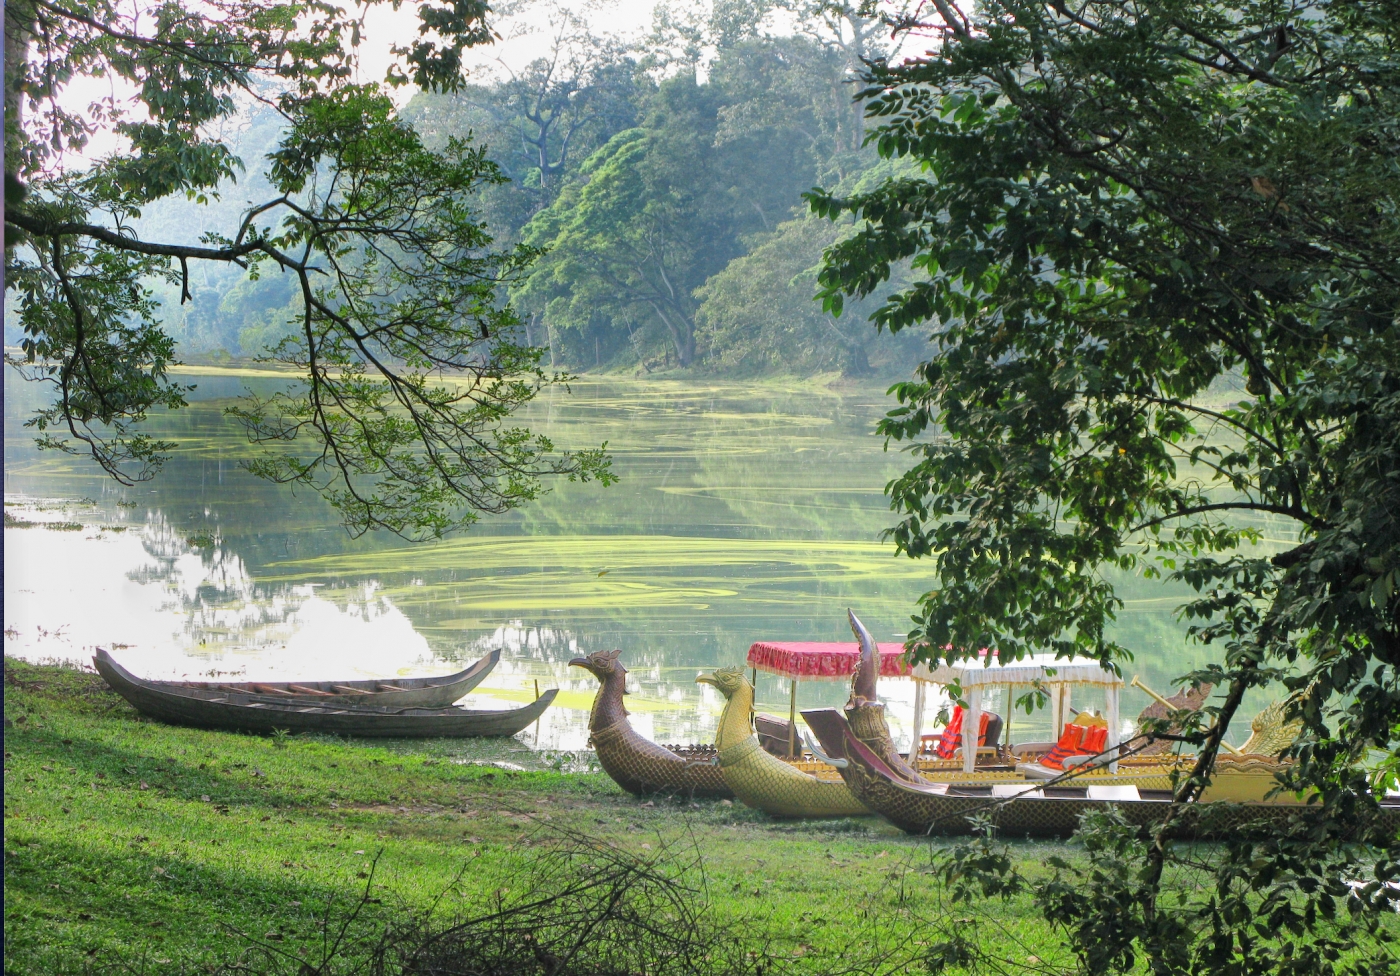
[{"x": 128, "y": 842}]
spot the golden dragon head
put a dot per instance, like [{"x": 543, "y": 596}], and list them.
[{"x": 727, "y": 680}]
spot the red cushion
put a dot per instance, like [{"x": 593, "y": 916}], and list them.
[
  {"x": 951, "y": 739},
  {"x": 1068, "y": 745}
]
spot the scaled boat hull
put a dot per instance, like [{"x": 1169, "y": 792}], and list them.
[{"x": 926, "y": 808}]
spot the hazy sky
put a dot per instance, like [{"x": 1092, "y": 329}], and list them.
[
  {"x": 526, "y": 35},
  {"x": 525, "y": 39}
]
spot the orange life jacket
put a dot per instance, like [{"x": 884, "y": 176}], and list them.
[
  {"x": 1095, "y": 739},
  {"x": 1070, "y": 741},
  {"x": 951, "y": 739}
]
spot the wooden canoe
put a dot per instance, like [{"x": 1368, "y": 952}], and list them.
[
  {"x": 432, "y": 692},
  {"x": 260, "y": 713}
]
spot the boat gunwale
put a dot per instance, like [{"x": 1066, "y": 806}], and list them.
[{"x": 460, "y": 684}]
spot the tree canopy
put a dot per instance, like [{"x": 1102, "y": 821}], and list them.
[
  {"x": 664, "y": 206},
  {"x": 412, "y": 365},
  {"x": 1158, "y": 245}
]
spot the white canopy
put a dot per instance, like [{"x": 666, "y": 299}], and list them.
[{"x": 974, "y": 675}]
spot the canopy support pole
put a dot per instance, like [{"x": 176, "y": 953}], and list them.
[
  {"x": 915, "y": 743},
  {"x": 1114, "y": 736},
  {"x": 792, "y": 721},
  {"x": 972, "y": 723},
  {"x": 1006, "y": 728}
]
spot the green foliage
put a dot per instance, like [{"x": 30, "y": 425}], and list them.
[
  {"x": 543, "y": 121},
  {"x": 1126, "y": 213},
  {"x": 664, "y": 206},
  {"x": 758, "y": 314},
  {"x": 411, "y": 364}
]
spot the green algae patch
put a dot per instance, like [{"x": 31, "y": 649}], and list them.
[{"x": 611, "y": 572}]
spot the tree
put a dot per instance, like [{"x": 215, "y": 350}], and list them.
[
  {"x": 542, "y": 121},
  {"x": 411, "y": 364},
  {"x": 759, "y": 314},
  {"x": 853, "y": 29},
  {"x": 561, "y": 100},
  {"x": 664, "y": 206},
  {"x": 624, "y": 245},
  {"x": 1159, "y": 245}
]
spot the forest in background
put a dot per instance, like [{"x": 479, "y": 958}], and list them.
[{"x": 660, "y": 181}]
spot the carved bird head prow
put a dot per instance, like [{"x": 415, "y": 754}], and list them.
[
  {"x": 601, "y": 664},
  {"x": 727, "y": 680}
]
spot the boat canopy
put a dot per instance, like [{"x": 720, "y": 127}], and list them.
[
  {"x": 822, "y": 661},
  {"x": 1057, "y": 674}
]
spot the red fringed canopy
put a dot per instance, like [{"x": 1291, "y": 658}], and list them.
[{"x": 809, "y": 660}]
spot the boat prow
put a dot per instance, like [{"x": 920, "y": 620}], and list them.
[
  {"x": 762, "y": 780},
  {"x": 635, "y": 763}
]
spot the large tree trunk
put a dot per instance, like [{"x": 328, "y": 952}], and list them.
[
  {"x": 682, "y": 332},
  {"x": 857, "y": 363}
]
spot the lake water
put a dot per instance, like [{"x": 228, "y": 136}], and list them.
[{"x": 744, "y": 512}]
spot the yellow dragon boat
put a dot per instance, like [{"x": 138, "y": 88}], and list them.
[{"x": 761, "y": 780}]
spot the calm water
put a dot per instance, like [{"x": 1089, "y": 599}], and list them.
[{"x": 744, "y": 512}]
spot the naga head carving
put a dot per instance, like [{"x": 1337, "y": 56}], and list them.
[
  {"x": 601, "y": 664},
  {"x": 727, "y": 680},
  {"x": 867, "y": 672}
]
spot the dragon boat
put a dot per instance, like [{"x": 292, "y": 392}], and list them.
[
  {"x": 635, "y": 763},
  {"x": 778, "y": 787},
  {"x": 859, "y": 744}
]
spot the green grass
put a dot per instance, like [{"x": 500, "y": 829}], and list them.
[{"x": 131, "y": 842}]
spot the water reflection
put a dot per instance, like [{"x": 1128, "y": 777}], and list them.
[{"x": 745, "y": 512}]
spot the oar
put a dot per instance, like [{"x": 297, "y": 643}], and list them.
[{"x": 1162, "y": 701}]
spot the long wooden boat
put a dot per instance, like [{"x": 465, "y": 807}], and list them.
[
  {"x": 431, "y": 692},
  {"x": 858, "y": 743},
  {"x": 635, "y": 763},
  {"x": 255, "y": 713},
  {"x": 762, "y": 780},
  {"x": 1029, "y": 810}
]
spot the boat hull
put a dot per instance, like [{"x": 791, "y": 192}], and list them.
[
  {"x": 643, "y": 768},
  {"x": 249, "y": 713},
  {"x": 942, "y": 808},
  {"x": 434, "y": 692},
  {"x": 765, "y": 782}
]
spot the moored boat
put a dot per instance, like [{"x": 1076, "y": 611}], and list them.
[
  {"x": 764, "y": 781},
  {"x": 858, "y": 743},
  {"x": 634, "y": 762},
  {"x": 432, "y": 692},
  {"x": 255, "y": 713}
]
